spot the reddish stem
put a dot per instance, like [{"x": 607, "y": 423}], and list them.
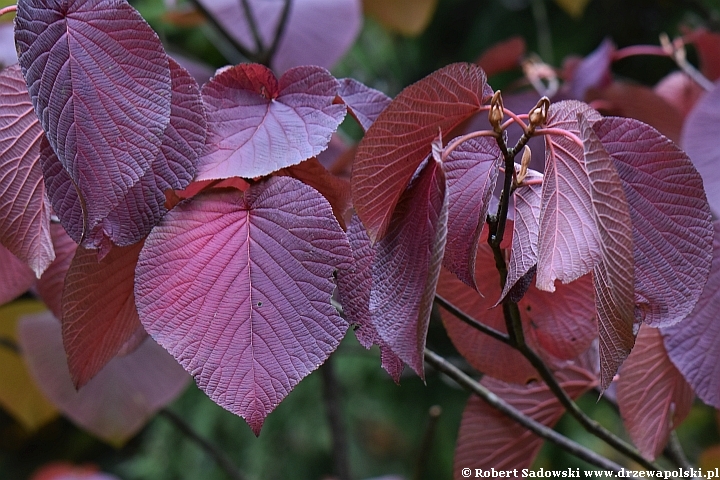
[
  {"x": 639, "y": 50},
  {"x": 8, "y": 9},
  {"x": 561, "y": 132},
  {"x": 455, "y": 143}
]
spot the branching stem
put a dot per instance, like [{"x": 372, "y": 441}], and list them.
[
  {"x": 211, "y": 18},
  {"x": 464, "y": 317},
  {"x": 250, "y": 18},
  {"x": 279, "y": 32}
]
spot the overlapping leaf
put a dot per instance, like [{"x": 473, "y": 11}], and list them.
[
  {"x": 698, "y": 140},
  {"x": 407, "y": 266},
  {"x": 653, "y": 396},
  {"x": 237, "y": 286},
  {"x": 258, "y": 124},
  {"x": 488, "y": 439},
  {"x": 399, "y": 140},
  {"x": 692, "y": 343},
  {"x": 100, "y": 83},
  {"x": 98, "y": 309},
  {"x": 24, "y": 209},
  {"x": 471, "y": 170},
  {"x": 614, "y": 275},
  {"x": 363, "y": 102},
  {"x": 317, "y": 32},
  {"x": 50, "y": 286},
  {"x": 568, "y": 243},
  {"x": 119, "y": 400},
  {"x": 15, "y": 277},
  {"x": 672, "y": 230},
  {"x": 62, "y": 192},
  {"x": 593, "y": 71},
  {"x": 354, "y": 286}
]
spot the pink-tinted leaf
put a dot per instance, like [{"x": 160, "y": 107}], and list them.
[
  {"x": 558, "y": 325},
  {"x": 15, "y": 277},
  {"x": 258, "y": 124},
  {"x": 698, "y": 140},
  {"x": 318, "y": 32},
  {"x": 98, "y": 309},
  {"x": 142, "y": 207},
  {"x": 503, "y": 56},
  {"x": 237, "y": 286},
  {"x": 8, "y": 53},
  {"x": 336, "y": 190},
  {"x": 680, "y": 91},
  {"x": 365, "y": 104},
  {"x": 354, "y": 286},
  {"x": 67, "y": 471},
  {"x": 614, "y": 276},
  {"x": 593, "y": 71},
  {"x": 672, "y": 230},
  {"x": 62, "y": 192},
  {"x": 50, "y": 285},
  {"x": 488, "y": 439},
  {"x": 523, "y": 255},
  {"x": 24, "y": 209},
  {"x": 399, "y": 140},
  {"x": 471, "y": 171},
  {"x": 407, "y": 266},
  {"x": 100, "y": 83},
  {"x": 692, "y": 344},
  {"x": 653, "y": 396},
  {"x": 119, "y": 400}
]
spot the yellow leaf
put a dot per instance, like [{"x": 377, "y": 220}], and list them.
[
  {"x": 18, "y": 394},
  {"x": 408, "y": 17},
  {"x": 574, "y": 8}
]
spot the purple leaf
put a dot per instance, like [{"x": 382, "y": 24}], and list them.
[
  {"x": 119, "y": 400},
  {"x": 50, "y": 285},
  {"x": 98, "y": 309},
  {"x": 397, "y": 143},
  {"x": 318, "y": 32},
  {"x": 472, "y": 171},
  {"x": 407, "y": 266},
  {"x": 100, "y": 83},
  {"x": 365, "y": 104},
  {"x": 653, "y": 396},
  {"x": 488, "y": 439},
  {"x": 672, "y": 233},
  {"x": 593, "y": 71},
  {"x": 568, "y": 243},
  {"x": 692, "y": 343},
  {"x": 15, "y": 277},
  {"x": 142, "y": 207},
  {"x": 237, "y": 286},
  {"x": 354, "y": 286},
  {"x": 8, "y": 53},
  {"x": 699, "y": 141},
  {"x": 614, "y": 276},
  {"x": 523, "y": 255},
  {"x": 258, "y": 124},
  {"x": 24, "y": 209}
]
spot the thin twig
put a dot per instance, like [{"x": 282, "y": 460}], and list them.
[
  {"x": 331, "y": 395},
  {"x": 442, "y": 365},
  {"x": 674, "y": 452},
  {"x": 464, "y": 317},
  {"x": 427, "y": 442},
  {"x": 279, "y": 32},
  {"x": 250, "y": 18},
  {"x": 222, "y": 460},
  {"x": 237, "y": 45},
  {"x": 544, "y": 35}
]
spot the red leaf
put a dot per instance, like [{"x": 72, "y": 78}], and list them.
[
  {"x": 50, "y": 285},
  {"x": 98, "y": 308},
  {"x": 237, "y": 286},
  {"x": 354, "y": 286},
  {"x": 15, "y": 277},
  {"x": 407, "y": 266},
  {"x": 568, "y": 243},
  {"x": 488, "y": 439},
  {"x": 653, "y": 396},
  {"x": 614, "y": 276},
  {"x": 680, "y": 91},
  {"x": 317, "y": 32},
  {"x": 672, "y": 233},
  {"x": 119, "y": 400},
  {"x": 700, "y": 143},
  {"x": 365, "y": 104},
  {"x": 692, "y": 343},
  {"x": 102, "y": 95},
  {"x": 472, "y": 171},
  {"x": 399, "y": 140},
  {"x": 257, "y": 124},
  {"x": 502, "y": 56},
  {"x": 24, "y": 210},
  {"x": 708, "y": 47}
]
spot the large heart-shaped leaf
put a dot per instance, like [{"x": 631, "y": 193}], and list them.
[
  {"x": 24, "y": 209},
  {"x": 100, "y": 83},
  {"x": 399, "y": 140},
  {"x": 237, "y": 286},
  {"x": 258, "y": 124},
  {"x": 364, "y": 103}
]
